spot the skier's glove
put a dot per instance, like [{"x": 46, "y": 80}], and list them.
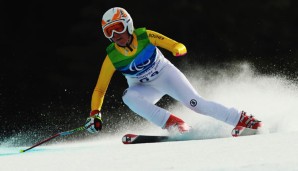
[
  {"x": 179, "y": 49},
  {"x": 94, "y": 123}
]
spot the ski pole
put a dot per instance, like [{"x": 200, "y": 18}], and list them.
[{"x": 54, "y": 136}]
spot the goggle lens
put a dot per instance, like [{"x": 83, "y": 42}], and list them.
[{"x": 117, "y": 27}]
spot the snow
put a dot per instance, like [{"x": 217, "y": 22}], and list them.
[
  {"x": 277, "y": 151},
  {"x": 273, "y": 99}
]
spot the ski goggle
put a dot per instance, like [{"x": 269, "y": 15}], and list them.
[{"x": 116, "y": 27}]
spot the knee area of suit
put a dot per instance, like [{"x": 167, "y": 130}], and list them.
[{"x": 130, "y": 96}]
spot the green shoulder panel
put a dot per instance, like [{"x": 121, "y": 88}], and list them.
[
  {"x": 110, "y": 47},
  {"x": 142, "y": 36},
  {"x": 141, "y": 33}
]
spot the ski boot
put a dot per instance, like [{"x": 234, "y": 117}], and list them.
[
  {"x": 175, "y": 124},
  {"x": 247, "y": 125}
]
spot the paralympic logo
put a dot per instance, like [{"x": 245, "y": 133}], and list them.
[{"x": 134, "y": 66}]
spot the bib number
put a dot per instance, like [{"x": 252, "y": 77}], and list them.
[{"x": 146, "y": 79}]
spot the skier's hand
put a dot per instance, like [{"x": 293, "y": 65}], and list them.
[
  {"x": 94, "y": 122},
  {"x": 179, "y": 50}
]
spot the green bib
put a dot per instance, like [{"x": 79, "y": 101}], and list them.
[{"x": 119, "y": 60}]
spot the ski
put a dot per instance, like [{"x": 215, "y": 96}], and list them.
[{"x": 138, "y": 139}]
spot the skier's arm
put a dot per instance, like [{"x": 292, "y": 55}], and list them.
[
  {"x": 106, "y": 73},
  {"x": 157, "y": 39},
  {"x": 94, "y": 122}
]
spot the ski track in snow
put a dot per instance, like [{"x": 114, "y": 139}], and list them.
[{"x": 272, "y": 99}]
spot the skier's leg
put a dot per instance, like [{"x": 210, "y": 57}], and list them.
[
  {"x": 141, "y": 99},
  {"x": 181, "y": 89}
]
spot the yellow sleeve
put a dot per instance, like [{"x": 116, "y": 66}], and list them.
[
  {"x": 157, "y": 39},
  {"x": 106, "y": 73}
]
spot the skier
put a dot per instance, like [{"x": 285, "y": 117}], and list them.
[{"x": 135, "y": 53}]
